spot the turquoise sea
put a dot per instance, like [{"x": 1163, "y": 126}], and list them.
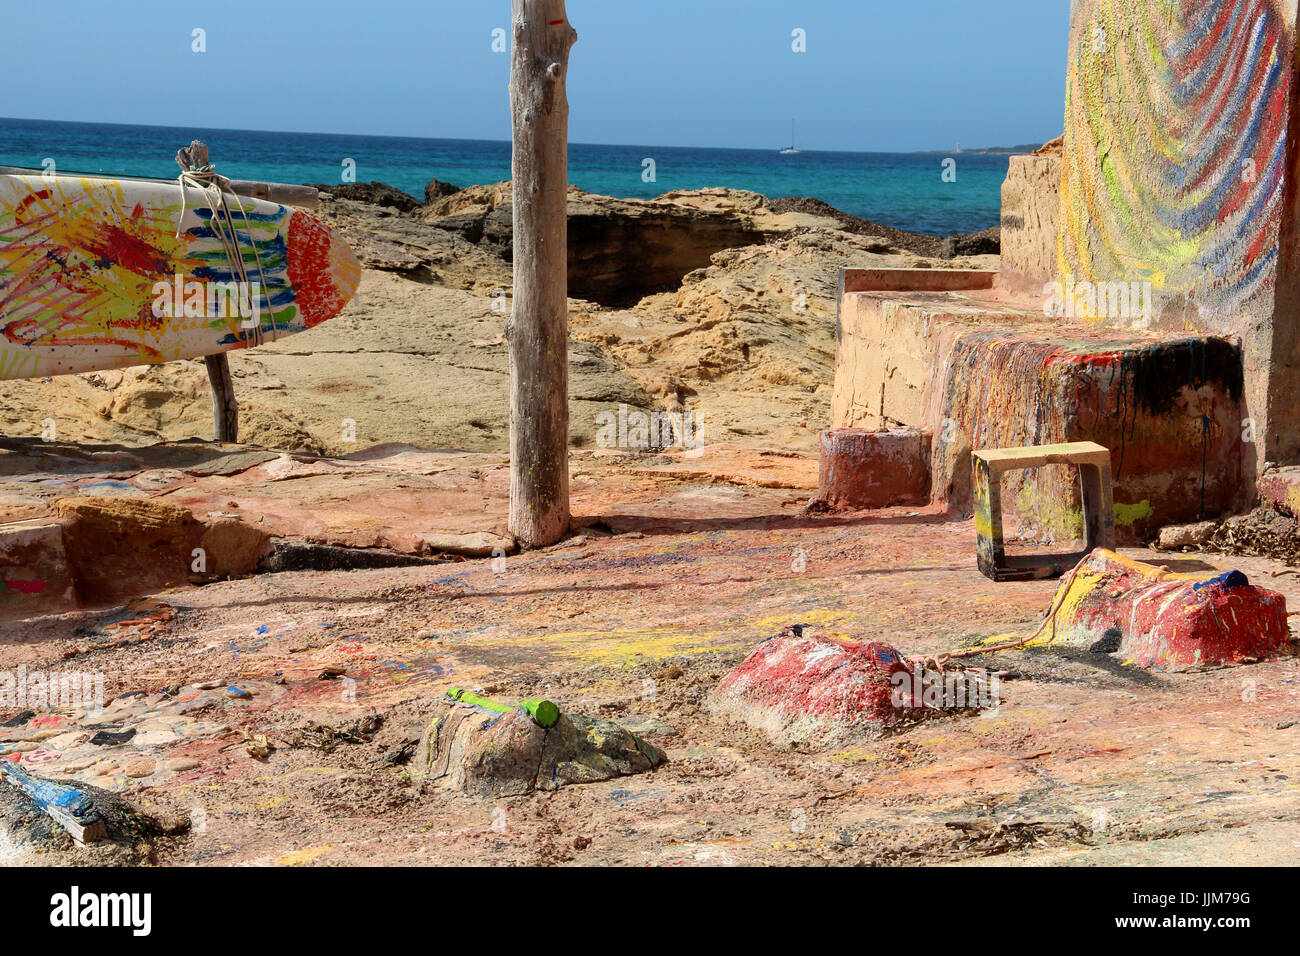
[{"x": 904, "y": 190}]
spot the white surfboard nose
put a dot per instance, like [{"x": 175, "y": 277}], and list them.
[{"x": 344, "y": 269}]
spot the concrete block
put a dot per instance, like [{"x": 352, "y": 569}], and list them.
[
  {"x": 861, "y": 468},
  {"x": 978, "y": 370}
]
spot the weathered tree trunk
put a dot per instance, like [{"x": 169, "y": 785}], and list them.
[{"x": 538, "y": 330}]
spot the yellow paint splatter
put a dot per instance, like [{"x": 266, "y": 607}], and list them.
[{"x": 299, "y": 857}]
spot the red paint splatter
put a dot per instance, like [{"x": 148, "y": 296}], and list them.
[
  {"x": 112, "y": 243},
  {"x": 26, "y": 587},
  {"x": 309, "y": 270}
]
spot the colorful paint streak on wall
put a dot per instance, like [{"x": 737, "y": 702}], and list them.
[{"x": 1175, "y": 145}]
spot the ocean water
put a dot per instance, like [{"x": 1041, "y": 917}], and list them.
[{"x": 904, "y": 190}]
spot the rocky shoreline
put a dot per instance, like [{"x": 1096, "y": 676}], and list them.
[{"x": 717, "y": 301}]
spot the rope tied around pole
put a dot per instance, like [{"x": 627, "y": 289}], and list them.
[{"x": 197, "y": 173}]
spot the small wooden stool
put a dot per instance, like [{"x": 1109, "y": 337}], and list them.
[{"x": 988, "y": 465}]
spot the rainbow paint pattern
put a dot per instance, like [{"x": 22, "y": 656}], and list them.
[{"x": 1175, "y": 143}]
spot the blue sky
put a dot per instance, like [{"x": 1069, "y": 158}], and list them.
[{"x": 877, "y": 74}]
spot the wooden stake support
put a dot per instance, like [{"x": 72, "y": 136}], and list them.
[
  {"x": 225, "y": 409},
  {"x": 538, "y": 330}
]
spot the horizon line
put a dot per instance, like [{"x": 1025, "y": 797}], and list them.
[{"x": 506, "y": 142}]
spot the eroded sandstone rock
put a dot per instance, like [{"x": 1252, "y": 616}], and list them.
[{"x": 487, "y": 754}]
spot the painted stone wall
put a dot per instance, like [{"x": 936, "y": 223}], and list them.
[{"x": 1178, "y": 171}]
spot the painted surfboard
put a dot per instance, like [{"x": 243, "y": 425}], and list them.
[{"x": 99, "y": 273}]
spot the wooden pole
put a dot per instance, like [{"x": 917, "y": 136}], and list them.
[
  {"x": 538, "y": 330},
  {"x": 225, "y": 410}
]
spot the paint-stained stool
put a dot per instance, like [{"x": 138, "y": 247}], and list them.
[{"x": 988, "y": 466}]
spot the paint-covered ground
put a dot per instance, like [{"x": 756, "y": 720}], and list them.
[{"x": 637, "y": 619}]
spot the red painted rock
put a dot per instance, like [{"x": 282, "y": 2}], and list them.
[
  {"x": 862, "y": 468},
  {"x": 818, "y": 688},
  {"x": 34, "y": 573},
  {"x": 1281, "y": 487},
  {"x": 1154, "y": 618}
]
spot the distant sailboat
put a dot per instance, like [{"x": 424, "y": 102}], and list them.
[{"x": 791, "y": 151}]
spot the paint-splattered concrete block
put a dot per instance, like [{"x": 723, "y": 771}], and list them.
[
  {"x": 1153, "y": 618},
  {"x": 1098, "y": 507},
  {"x": 861, "y": 468},
  {"x": 983, "y": 370},
  {"x": 819, "y": 689},
  {"x": 34, "y": 573}
]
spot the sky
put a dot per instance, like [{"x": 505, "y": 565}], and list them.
[{"x": 889, "y": 75}]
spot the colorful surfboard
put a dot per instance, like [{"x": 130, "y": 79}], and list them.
[{"x": 94, "y": 276}]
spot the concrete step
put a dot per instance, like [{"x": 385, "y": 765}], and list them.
[{"x": 981, "y": 368}]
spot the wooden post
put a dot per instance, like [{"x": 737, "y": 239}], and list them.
[
  {"x": 225, "y": 410},
  {"x": 538, "y": 330}
]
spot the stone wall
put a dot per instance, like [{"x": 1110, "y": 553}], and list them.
[{"x": 1177, "y": 171}]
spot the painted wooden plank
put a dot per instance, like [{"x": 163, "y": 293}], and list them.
[{"x": 67, "y": 806}]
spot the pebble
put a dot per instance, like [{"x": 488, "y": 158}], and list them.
[
  {"x": 140, "y": 768},
  {"x": 72, "y": 766},
  {"x": 153, "y": 738},
  {"x": 180, "y": 764}
]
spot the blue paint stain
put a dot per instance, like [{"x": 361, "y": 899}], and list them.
[
  {"x": 1229, "y": 579},
  {"x": 52, "y": 794}
]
